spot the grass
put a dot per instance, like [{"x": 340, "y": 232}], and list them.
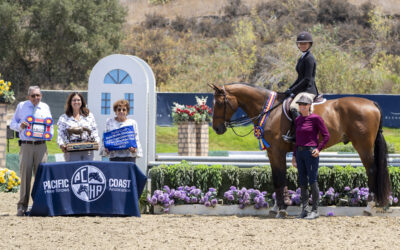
[{"x": 167, "y": 141}]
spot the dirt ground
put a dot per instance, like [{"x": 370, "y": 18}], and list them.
[{"x": 193, "y": 232}]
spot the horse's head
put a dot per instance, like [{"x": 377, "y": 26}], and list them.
[{"x": 225, "y": 105}]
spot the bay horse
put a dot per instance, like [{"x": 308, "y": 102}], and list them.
[{"x": 348, "y": 119}]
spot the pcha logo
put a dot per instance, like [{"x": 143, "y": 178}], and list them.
[{"x": 88, "y": 183}]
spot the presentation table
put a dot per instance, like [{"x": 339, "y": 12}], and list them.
[{"x": 87, "y": 188}]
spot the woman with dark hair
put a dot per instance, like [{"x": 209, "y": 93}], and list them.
[
  {"x": 77, "y": 115},
  {"x": 121, "y": 109}
]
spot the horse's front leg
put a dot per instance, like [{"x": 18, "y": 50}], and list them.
[{"x": 278, "y": 167}]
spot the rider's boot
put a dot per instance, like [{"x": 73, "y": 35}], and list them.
[
  {"x": 315, "y": 200},
  {"x": 304, "y": 202},
  {"x": 290, "y": 136}
]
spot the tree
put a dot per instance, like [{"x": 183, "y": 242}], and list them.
[{"x": 47, "y": 42}]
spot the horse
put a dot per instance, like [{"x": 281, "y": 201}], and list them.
[
  {"x": 78, "y": 131},
  {"x": 348, "y": 119}
]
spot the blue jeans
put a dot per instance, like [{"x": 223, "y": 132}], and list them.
[{"x": 307, "y": 167}]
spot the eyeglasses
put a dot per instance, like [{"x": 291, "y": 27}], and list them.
[
  {"x": 36, "y": 95},
  {"x": 121, "y": 110}
]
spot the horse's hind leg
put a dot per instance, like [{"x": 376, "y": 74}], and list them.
[{"x": 365, "y": 149}]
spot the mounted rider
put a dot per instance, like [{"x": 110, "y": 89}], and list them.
[{"x": 305, "y": 84}]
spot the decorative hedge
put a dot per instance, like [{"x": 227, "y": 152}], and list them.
[{"x": 223, "y": 177}]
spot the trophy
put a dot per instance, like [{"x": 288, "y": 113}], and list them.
[{"x": 81, "y": 146}]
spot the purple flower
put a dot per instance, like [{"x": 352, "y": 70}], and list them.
[
  {"x": 171, "y": 202},
  {"x": 166, "y": 210},
  {"x": 166, "y": 188},
  {"x": 232, "y": 188},
  {"x": 207, "y": 203},
  {"x": 265, "y": 204},
  {"x": 231, "y": 198},
  {"x": 161, "y": 198},
  {"x": 274, "y": 196},
  {"x": 347, "y": 188},
  {"x": 194, "y": 200},
  {"x": 241, "y": 206},
  {"x": 154, "y": 200},
  {"x": 257, "y": 206},
  {"x": 395, "y": 200},
  {"x": 187, "y": 199},
  {"x": 212, "y": 190},
  {"x": 329, "y": 214},
  {"x": 214, "y": 202}
]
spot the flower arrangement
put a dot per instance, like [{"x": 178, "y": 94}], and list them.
[
  {"x": 182, "y": 195},
  {"x": 6, "y": 94},
  {"x": 198, "y": 113},
  {"x": 253, "y": 197},
  {"x": 9, "y": 181},
  {"x": 246, "y": 197}
]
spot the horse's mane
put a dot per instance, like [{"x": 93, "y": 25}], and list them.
[{"x": 280, "y": 96}]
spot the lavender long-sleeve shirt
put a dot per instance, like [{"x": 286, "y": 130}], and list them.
[{"x": 307, "y": 129}]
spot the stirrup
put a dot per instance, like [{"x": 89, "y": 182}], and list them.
[{"x": 289, "y": 139}]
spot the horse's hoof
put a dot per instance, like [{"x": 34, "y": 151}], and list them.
[
  {"x": 367, "y": 213},
  {"x": 282, "y": 214},
  {"x": 273, "y": 213}
]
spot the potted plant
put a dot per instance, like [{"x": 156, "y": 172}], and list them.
[{"x": 192, "y": 127}]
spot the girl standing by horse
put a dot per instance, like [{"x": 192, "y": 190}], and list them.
[
  {"x": 305, "y": 83},
  {"x": 306, "y": 154}
]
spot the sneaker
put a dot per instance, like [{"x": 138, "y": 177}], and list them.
[
  {"x": 313, "y": 215},
  {"x": 304, "y": 213}
]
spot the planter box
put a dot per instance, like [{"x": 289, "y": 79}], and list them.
[
  {"x": 3, "y": 134},
  {"x": 219, "y": 210},
  {"x": 187, "y": 138},
  {"x": 202, "y": 139}
]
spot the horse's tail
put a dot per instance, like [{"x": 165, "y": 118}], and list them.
[{"x": 382, "y": 183}]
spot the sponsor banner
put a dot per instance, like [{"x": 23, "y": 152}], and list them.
[
  {"x": 118, "y": 139},
  {"x": 87, "y": 188}
]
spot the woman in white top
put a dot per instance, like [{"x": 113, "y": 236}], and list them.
[
  {"x": 77, "y": 115},
  {"x": 121, "y": 109}
]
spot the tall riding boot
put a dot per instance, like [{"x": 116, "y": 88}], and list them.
[
  {"x": 315, "y": 200},
  {"x": 290, "y": 136},
  {"x": 304, "y": 202}
]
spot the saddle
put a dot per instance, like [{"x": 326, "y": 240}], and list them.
[{"x": 319, "y": 99}]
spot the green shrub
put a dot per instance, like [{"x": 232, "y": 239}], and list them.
[{"x": 223, "y": 177}]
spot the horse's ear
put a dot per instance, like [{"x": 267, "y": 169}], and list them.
[{"x": 214, "y": 87}]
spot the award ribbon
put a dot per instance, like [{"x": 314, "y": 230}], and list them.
[{"x": 258, "y": 129}]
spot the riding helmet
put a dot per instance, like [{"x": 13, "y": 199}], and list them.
[{"x": 304, "y": 36}]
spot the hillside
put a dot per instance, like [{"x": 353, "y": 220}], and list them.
[
  {"x": 137, "y": 9},
  {"x": 191, "y": 43}
]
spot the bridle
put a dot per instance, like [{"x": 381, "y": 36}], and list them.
[{"x": 242, "y": 120}]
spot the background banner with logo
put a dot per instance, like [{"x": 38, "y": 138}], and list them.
[{"x": 87, "y": 188}]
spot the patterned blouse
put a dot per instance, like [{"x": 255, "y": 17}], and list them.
[
  {"x": 65, "y": 122},
  {"x": 113, "y": 124}
]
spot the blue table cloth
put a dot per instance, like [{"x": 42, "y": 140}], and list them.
[{"x": 87, "y": 188}]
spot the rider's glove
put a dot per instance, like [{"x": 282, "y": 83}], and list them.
[{"x": 288, "y": 93}]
